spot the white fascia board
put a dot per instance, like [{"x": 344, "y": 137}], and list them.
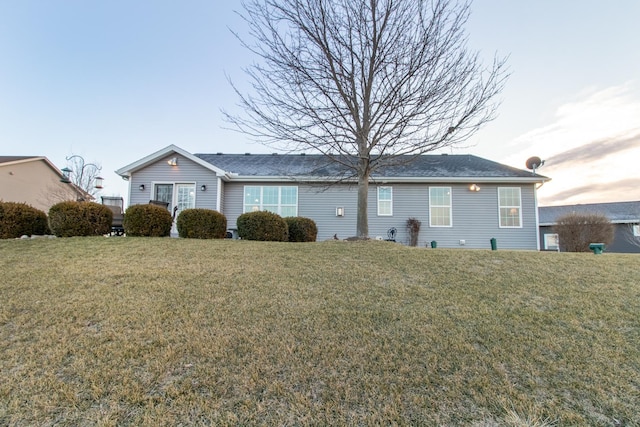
[
  {"x": 464, "y": 179},
  {"x": 617, "y": 221},
  {"x": 26, "y": 160},
  {"x": 145, "y": 161}
]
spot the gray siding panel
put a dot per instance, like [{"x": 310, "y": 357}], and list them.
[
  {"x": 475, "y": 214},
  {"x": 185, "y": 172}
]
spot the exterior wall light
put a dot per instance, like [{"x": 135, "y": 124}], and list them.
[
  {"x": 203, "y": 187},
  {"x": 474, "y": 187},
  {"x": 173, "y": 161},
  {"x": 141, "y": 188},
  {"x": 340, "y": 211}
]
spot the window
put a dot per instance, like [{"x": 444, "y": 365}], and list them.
[
  {"x": 385, "y": 201},
  {"x": 176, "y": 195},
  {"x": 280, "y": 200},
  {"x": 509, "y": 206},
  {"x": 164, "y": 193},
  {"x": 440, "y": 207},
  {"x": 551, "y": 242},
  {"x": 636, "y": 230}
]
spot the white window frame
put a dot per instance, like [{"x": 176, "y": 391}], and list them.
[
  {"x": 385, "y": 206},
  {"x": 636, "y": 230},
  {"x": 174, "y": 193},
  {"x": 259, "y": 204},
  {"x": 449, "y": 206},
  {"x": 511, "y": 207},
  {"x": 550, "y": 238}
]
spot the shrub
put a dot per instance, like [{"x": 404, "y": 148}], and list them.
[
  {"x": 301, "y": 229},
  {"x": 67, "y": 219},
  {"x": 262, "y": 225},
  {"x": 201, "y": 224},
  {"x": 413, "y": 227},
  {"x": 577, "y": 231},
  {"x": 19, "y": 219},
  {"x": 147, "y": 221}
]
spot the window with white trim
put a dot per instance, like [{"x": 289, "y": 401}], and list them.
[
  {"x": 282, "y": 200},
  {"x": 385, "y": 201},
  {"x": 551, "y": 242},
  {"x": 440, "y": 207},
  {"x": 636, "y": 230},
  {"x": 510, "y": 207}
]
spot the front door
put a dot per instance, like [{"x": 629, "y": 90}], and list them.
[{"x": 178, "y": 198}]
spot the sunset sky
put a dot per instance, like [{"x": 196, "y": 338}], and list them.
[{"x": 115, "y": 81}]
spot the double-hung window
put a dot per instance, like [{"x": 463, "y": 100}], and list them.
[
  {"x": 510, "y": 207},
  {"x": 282, "y": 200},
  {"x": 440, "y": 207},
  {"x": 385, "y": 201}
]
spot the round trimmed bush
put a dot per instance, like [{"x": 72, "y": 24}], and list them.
[
  {"x": 262, "y": 225},
  {"x": 147, "y": 221},
  {"x": 19, "y": 219},
  {"x": 68, "y": 219},
  {"x": 201, "y": 224},
  {"x": 301, "y": 229}
]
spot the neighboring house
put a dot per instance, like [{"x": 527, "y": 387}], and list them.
[
  {"x": 624, "y": 215},
  {"x": 461, "y": 200},
  {"x": 34, "y": 180}
]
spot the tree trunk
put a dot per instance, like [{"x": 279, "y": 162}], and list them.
[{"x": 362, "y": 226}]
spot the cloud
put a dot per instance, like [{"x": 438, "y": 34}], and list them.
[
  {"x": 591, "y": 148},
  {"x": 594, "y": 151},
  {"x": 598, "y": 192}
]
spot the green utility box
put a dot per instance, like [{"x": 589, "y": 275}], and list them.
[
  {"x": 597, "y": 248},
  {"x": 434, "y": 244}
]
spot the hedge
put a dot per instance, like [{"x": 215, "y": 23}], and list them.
[
  {"x": 68, "y": 219},
  {"x": 19, "y": 219},
  {"x": 201, "y": 224}
]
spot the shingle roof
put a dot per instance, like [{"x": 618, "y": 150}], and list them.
[
  {"x": 430, "y": 166},
  {"x": 617, "y": 212},
  {"x": 7, "y": 159}
]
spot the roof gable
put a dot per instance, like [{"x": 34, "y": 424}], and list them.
[{"x": 152, "y": 158}]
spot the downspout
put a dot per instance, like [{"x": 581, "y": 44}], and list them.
[
  {"x": 219, "y": 195},
  {"x": 535, "y": 200}
]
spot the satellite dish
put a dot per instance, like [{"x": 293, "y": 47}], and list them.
[{"x": 534, "y": 162}]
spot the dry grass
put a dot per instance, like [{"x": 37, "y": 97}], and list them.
[{"x": 135, "y": 331}]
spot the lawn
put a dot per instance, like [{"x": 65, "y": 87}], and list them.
[{"x": 145, "y": 331}]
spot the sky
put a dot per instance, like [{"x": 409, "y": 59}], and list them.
[{"x": 116, "y": 81}]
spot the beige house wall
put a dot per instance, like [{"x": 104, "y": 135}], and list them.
[{"x": 33, "y": 182}]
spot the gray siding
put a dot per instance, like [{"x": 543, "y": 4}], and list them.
[
  {"x": 475, "y": 214},
  {"x": 185, "y": 172}
]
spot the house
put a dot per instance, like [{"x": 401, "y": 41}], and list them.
[
  {"x": 461, "y": 200},
  {"x": 625, "y": 216},
  {"x": 36, "y": 181}
]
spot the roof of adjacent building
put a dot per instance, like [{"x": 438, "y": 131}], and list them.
[
  {"x": 430, "y": 166},
  {"x": 7, "y": 159},
  {"x": 616, "y": 212}
]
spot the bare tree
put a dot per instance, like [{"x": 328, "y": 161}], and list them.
[
  {"x": 368, "y": 84},
  {"x": 85, "y": 177}
]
